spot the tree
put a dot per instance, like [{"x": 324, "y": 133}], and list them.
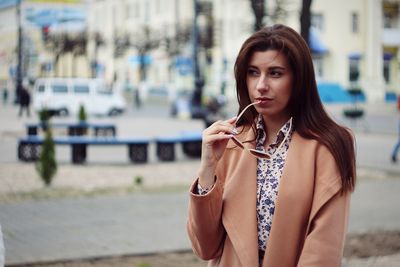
[
  {"x": 174, "y": 43},
  {"x": 206, "y": 35},
  {"x": 258, "y": 8},
  {"x": 47, "y": 165},
  {"x": 279, "y": 13},
  {"x": 144, "y": 42},
  {"x": 63, "y": 43},
  {"x": 305, "y": 20}
]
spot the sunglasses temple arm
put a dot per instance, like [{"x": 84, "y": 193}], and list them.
[{"x": 244, "y": 110}]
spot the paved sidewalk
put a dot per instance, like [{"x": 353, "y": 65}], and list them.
[
  {"x": 94, "y": 227},
  {"x": 144, "y": 223}
]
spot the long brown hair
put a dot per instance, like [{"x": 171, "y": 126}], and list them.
[{"x": 310, "y": 120}]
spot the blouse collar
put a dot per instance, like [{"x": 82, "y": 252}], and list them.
[{"x": 261, "y": 134}]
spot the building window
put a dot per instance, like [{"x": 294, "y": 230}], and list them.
[
  {"x": 390, "y": 14},
  {"x": 386, "y": 71},
  {"x": 317, "y": 21},
  {"x": 387, "y": 57},
  {"x": 355, "y": 22},
  {"x": 354, "y": 70}
]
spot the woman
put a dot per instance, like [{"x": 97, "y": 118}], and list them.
[{"x": 274, "y": 184}]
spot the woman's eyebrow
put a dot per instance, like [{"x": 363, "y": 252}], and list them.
[
  {"x": 273, "y": 67},
  {"x": 277, "y": 67}
]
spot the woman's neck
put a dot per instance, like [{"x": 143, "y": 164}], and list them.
[{"x": 272, "y": 125}]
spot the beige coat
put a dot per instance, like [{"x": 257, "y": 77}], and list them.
[{"x": 310, "y": 221}]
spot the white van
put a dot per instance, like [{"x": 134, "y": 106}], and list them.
[{"x": 64, "y": 96}]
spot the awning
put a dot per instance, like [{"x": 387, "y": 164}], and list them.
[
  {"x": 316, "y": 45},
  {"x": 50, "y": 16},
  {"x": 7, "y": 3},
  {"x": 357, "y": 56},
  {"x": 354, "y": 56},
  {"x": 387, "y": 56}
]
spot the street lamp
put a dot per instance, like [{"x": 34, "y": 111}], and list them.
[
  {"x": 198, "y": 80},
  {"x": 19, "y": 59}
]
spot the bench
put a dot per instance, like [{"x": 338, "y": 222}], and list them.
[
  {"x": 191, "y": 145},
  {"x": 29, "y": 147},
  {"x": 75, "y": 128}
]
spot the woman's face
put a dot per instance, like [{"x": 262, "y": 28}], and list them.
[{"x": 269, "y": 80}]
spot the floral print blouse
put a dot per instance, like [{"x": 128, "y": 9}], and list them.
[{"x": 269, "y": 172}]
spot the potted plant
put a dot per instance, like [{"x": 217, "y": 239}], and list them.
[
  {"x": 82, "y": 116},
  {"x": 47, "y": 165},
  {"x": 81, "y": 129},
  {"x": 354, "y": 112}
]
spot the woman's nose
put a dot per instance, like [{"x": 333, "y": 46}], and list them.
[{"x": 262, "y": 83}]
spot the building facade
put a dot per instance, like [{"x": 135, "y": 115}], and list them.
[
  {"x": 149, "y": 43},
  {"x": 363, "y": 41}
]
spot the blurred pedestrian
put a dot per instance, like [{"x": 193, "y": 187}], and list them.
[
  {"x": 24, "y": 101},
  {"x": 397, "y": 145},
  {"x": 5, "y": 96},
  {"x": 136, "y": 96},
  {"x": 274, "y": 183}
]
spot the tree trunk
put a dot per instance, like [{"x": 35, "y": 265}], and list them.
[
  {"x": 259, "y": 12},
  {"x": 305, "y": 20}
]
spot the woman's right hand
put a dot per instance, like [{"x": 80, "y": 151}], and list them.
[{"x": 214, "y": 141}]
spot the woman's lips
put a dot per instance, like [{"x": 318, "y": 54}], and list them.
[{"x": 263, "y": 100}]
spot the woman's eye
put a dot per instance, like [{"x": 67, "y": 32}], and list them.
[
  {"x": 252, "y": 72},
  {"x": 275, "y": 74}
]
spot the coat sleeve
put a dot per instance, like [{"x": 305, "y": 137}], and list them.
[
  {"x": 204, "y": 224},
  {"x": 328, "y": 221}
]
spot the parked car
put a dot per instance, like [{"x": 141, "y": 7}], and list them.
[{"x": 64, "y": 96}]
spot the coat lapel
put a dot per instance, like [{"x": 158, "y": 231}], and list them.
[
  {"x": 239, "y": 216},
  {"x": 291, "y": 208}
]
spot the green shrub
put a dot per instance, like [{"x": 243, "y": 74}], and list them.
[
  {"x": 138, "y": 180},
  {"x": 44, "y": 115},
  {"x": 82, "y": 116},
  {"x": 47, "y": 165}
]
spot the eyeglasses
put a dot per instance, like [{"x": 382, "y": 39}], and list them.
[{"x": 258, "y": 153}]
